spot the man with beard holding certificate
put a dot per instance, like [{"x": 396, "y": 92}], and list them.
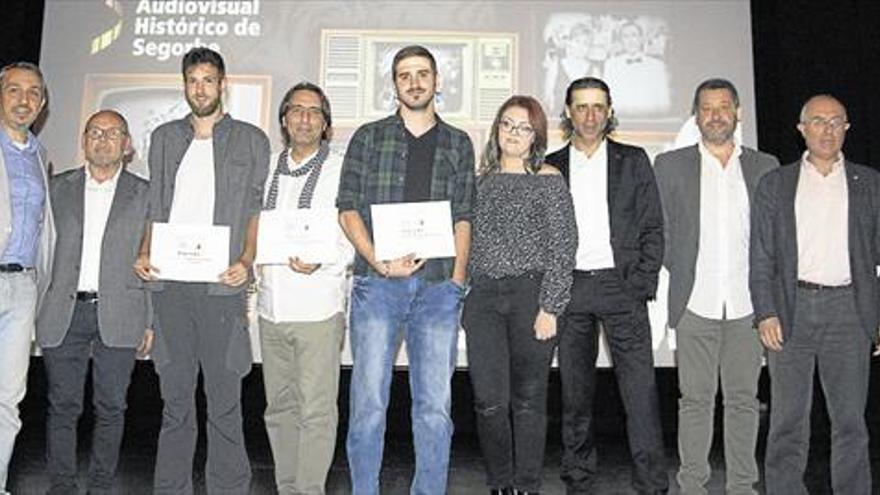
[
  {"x": 410, "y": 156},
  {"x": 205, "y": 169}
]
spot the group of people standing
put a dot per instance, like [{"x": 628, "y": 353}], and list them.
[{"x": 547, "y": 247}]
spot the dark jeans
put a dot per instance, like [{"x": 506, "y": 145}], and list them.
[
  {"x": 508, "y": 368},
  {"x": 827, "y": 334},
  {"x": 208, "y": 333},
  {"x": 599, "y": 296},
  {"x": 66, "y": 368}
]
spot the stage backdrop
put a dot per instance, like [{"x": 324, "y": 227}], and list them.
[{"x": 126, "y": 55}]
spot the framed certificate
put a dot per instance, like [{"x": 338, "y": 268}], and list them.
[
  {"x": 422, "y": 228},
  {"x": 311, "y": 234},
  {"x": 190, "y": 253}
]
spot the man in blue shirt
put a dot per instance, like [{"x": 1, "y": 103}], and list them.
[{"x": 26, "y": 239}]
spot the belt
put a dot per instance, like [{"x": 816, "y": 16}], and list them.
[
  {"x": 13, "y": 268},
  {"x": 803, "y": 284},
  {"x": 88, "y": 297},
  {"x": 593, "y": 273}
]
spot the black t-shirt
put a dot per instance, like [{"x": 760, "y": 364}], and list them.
[{"x": 419, "y": 165}]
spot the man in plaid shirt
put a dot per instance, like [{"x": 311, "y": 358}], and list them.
[{"x": 409, "y": 156}]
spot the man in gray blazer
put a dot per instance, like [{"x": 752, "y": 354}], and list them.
[
  {"x": 95, "y": 306},
  {"x": 206, "y": 169},
  {"x": 27, "y": 238},
  {"x": 706, "y": 192},
  {"x": 813, "y": 279}
]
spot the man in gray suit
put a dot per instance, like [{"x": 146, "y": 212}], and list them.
[
  {"x": 813, "y": 279},
  {"x": 205, "y": 169},
  {"x": 706, "y": 190},
  {"x": 27, "y": 239},
  {"x": 94, "y": 305}
]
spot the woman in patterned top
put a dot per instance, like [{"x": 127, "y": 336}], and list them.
[{"x": 522, "y": 257}]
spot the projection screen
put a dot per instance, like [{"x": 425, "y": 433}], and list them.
[{"x": 125, "y": 55}]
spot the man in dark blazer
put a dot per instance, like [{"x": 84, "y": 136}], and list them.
[
  {"x": 706, "y": 191},
  {"x": 95, "y": 306},
  {"x": 813, "y": 279},
  {"x": 620, "y": 250}
]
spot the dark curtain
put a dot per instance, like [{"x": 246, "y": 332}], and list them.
[
  {"x": 802, "y": 48},
  {"x": 21, "y": 29}
]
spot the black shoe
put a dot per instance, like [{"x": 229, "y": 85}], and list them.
[{"x": 502, "y": 491}]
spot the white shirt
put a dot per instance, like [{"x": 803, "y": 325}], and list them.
[
  {"x": 285, "y": 295},
  {"x": 97, "y": 200},
  {"x": 193, "y": 201},
  {"x": 821, "y": 214},
  {"x": 721, "y": 278},
  {"x": 588, "y": 177}
]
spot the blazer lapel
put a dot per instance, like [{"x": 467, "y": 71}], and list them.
[
  {"x": 789, "y": 196},
  {"x": 854, "y": 204},
  {"x": 614, "y": 171},
  {"x": 563, "y": 164},
  {"x": 691, "y": 184},
  {"x": 121, "y": 197}
]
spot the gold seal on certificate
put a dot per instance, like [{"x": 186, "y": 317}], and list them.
[
  {"x": 190, "y": 253},
  {"x": 423, "y": 229},
  {"x": 310, "y": 234}
]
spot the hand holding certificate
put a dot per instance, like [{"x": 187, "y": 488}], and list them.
[
  {"x": 423, "y": 229},
  {"x": 189, "y": 253},
  {"x": 310, "y": 234}
]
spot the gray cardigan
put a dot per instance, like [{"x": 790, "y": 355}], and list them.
[{"x": 241, "y": 164}]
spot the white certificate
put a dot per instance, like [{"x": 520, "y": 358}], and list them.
[
  {"x": 311, "y": 234},
  {"x": 190, "y": 253},
  {"x": 423, "y": 228}
]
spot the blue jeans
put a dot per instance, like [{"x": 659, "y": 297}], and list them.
[{"x": 428, "y": 314}]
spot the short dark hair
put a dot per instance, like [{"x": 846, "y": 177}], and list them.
[
  {"x": 714, "y": 83},
  {"x": 412, "y": 51},
  {"x": 490, "y": 161},
  {"x": 285, "y": 106},
  {"x": 203, "y": 55},
  {"x": 28, "y": 66},
  {"x": 586, "y": 83}
]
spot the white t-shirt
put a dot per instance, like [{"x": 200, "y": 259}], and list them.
[{"x": 194, "y": 185}]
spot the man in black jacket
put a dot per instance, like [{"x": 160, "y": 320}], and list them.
[{"x": 620, "y": 250}]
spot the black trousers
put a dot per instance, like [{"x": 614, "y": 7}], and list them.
[
  {"x": 67, "y": 367},
  {"x": 509, "y": 368},
  {"x": 599, "y": 296}
]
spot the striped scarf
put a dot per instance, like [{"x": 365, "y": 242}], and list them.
[{"x": 312, "y": 168}]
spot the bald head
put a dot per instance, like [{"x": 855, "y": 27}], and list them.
[
  {"x": 823, "y": 125},
  {"x": 823, "y": 100},
  {"x": 105, "y": 143}
]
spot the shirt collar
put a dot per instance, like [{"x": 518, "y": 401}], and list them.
[
  {"x": 109, "y": 184},
  {"x": 30, "y": 146},
  {"x": 601, "y": 151},
  {"x": 705, "y": 153},
  {"x": 836, "y": 167}
]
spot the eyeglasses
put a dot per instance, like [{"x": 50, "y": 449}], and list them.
[
  {"x": 113, "y": 134},
  {"x": 835, "y": 124},
  {"x": 299, "y": 111},
  {"x": 520, "y": 129}
]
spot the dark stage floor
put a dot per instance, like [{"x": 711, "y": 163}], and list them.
[{"x": 466, "y": 470}]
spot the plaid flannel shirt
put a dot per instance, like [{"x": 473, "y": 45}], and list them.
[{"x": 374, "y": 171}]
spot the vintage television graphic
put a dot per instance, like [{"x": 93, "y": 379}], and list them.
[
  {"x": 149, "y": 100},
  {"x": 477, "y": 72}
]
